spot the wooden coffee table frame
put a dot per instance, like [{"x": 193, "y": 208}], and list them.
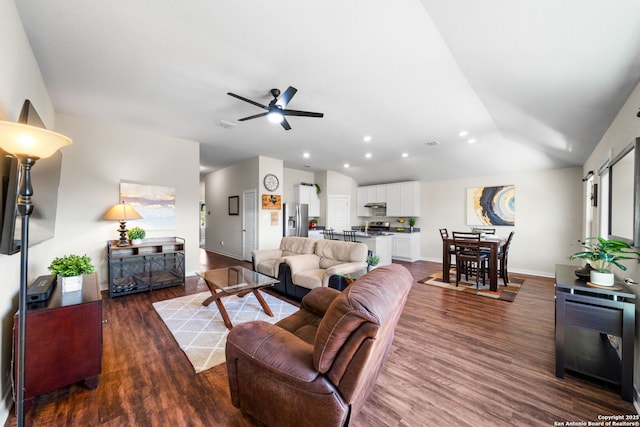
[{"x": 218, "y": 291}]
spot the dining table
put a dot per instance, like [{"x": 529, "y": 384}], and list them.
[{"x": 491, "y": 242}]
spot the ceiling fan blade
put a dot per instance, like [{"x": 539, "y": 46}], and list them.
[
  {"x": 285, "y": 124},
  {"x": 286, "y": 96},
  {"x": 242, "y": 98},
  {"x": 301, "y": 113},
  {"x": 255, "y": 116}
]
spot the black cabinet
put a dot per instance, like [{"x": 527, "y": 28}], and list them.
[
  {"x": 595, "y": 328},
  {"x": 156, "y": 263}
]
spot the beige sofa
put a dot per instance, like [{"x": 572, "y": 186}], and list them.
[
  {"x": 271, "y": 261},
  {"x": 330, "y": 257}
]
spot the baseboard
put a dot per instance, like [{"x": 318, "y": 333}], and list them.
[{"x": 224, "y": 253}]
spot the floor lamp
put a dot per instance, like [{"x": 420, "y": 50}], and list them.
[{"x": 27, "y": 144}]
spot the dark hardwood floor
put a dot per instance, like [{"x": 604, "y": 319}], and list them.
[{"x": 456, "y": 360}]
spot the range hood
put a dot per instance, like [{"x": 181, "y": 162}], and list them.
[{"x": 376, "y": 205}]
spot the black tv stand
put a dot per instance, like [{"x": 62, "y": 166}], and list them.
[{"x": 585, "y": 317}]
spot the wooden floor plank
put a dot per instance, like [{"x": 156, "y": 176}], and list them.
[{"x": 457, "y": 359}]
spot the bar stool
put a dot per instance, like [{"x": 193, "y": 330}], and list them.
[{"x": 349, "y": 235}]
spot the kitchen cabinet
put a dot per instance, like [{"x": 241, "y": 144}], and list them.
[
  {"x": 403, "y": 199},
  {"x": 316, "y": 234},
  {"x": 406, "y": 246},
  {"x": 370, "y": 194},
  {"x": 307, "y": 194}
]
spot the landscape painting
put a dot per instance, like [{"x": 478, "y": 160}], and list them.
[
  {"x": 491, "y": 205},
  {"x": 156, "y": 204}
]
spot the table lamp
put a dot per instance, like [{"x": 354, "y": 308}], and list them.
[
  {"x": 28, "y": 144},
  {"x": 122, "y": 212}
]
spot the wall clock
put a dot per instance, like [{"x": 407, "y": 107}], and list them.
[{"x": 271, "y": 182}]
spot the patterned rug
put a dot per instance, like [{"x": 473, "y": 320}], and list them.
[
  {"x": 505, "y": 293},
  {"x": 200, "y": 331}
]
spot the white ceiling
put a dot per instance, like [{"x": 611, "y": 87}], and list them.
[{"x": 536, "y": 82}]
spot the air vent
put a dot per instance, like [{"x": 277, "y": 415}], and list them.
[
  {"x": 227, "y": 125},
  {"x": 431, "y": 143}
]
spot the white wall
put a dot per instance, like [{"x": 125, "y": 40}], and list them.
[
  {"x": 548, "y": 212},
  {"x": 20, "y": 79},
  {"x": 101, "y": 156},
  {"x": 224, "y": 231},
  {"x": 624, "y": 129}
]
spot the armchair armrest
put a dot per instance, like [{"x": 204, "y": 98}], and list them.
[
  {"x": 264, "y": 254},
  {"x": 298, "y": 263},
  {"x": 319, "y": 300},
  {"x": 272, "y": 348},
  {"x": 356, "y": 269}
]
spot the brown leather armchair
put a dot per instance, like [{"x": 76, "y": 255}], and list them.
[{"x": 317, "y": 366}]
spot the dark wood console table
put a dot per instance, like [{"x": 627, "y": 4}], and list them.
[
  {"x": 585, "y": 316},
  {"x": 63, "y": 340}
]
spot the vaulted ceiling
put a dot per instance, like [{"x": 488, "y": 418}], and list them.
[{"x": 536, "y": 83}]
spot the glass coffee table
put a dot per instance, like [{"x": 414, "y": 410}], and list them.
[{"x": 239, "y": 281}]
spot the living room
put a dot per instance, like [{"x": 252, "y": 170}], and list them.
[{"x": 551, "y": 202}]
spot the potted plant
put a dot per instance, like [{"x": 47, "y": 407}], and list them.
[
  {"x": 412, "y": 222},
  {"x": 600, "y": 253},
  {"x": 71, "y": 268},
  {"x": 136, "y": 234},
  {"x": 372, "y": 262}
]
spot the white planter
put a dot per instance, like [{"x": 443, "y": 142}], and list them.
[
  {"x": 71, "y": 284},
  {"x": 136, "y": 241},
  {"x": 602, "y": 279}
]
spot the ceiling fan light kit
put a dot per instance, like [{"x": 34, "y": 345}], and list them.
[{"x": 276, "y": 110}]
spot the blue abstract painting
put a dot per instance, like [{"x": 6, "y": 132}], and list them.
[{"x": 491, "y": 205}]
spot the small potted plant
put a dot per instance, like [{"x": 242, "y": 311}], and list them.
[
  {"x": 71, "y": 268},
  {"x": 600, "y": 253},
  {"x": 136, "y": 234},
  {"x": 412, "y": 222},
  {"x": 372, "y": 262}
]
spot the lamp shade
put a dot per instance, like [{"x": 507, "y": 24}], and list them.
[
  {"x": 24, "y": 140},
  {"x": 122, "y": 212}
]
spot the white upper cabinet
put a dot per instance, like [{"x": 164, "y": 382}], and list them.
[
  {"x": 307, "y": 194},
  {"x": 370, "y": 194},
  {"x": 403, "y": 199}
]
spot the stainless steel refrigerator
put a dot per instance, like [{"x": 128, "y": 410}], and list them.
[{"x": 295, "y": 219}]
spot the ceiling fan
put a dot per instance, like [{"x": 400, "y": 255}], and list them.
[{"x": 276, "y": 110}]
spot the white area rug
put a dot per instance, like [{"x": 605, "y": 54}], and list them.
[{"x": 200, "y": 331}]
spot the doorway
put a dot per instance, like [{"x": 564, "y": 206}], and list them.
[
  {"x": 249, "y": 223},
  {"x": 338, "y": 209}
]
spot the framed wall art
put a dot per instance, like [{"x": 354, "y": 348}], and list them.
[
  {"x": 234, "y": 205},
  {"x": 156, "y": 204},
  {"x": 491, "y": 205}
]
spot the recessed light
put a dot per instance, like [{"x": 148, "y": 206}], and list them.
[
  {"x": 367, "y": 138},
  {"x": 346, "y": 165},
  {"x": 405, "y": 154},
  {"x": 472, "y": 141},
  {"x": 306, "y": 155},
  {"x": 368, "y": 155},
  {"x": 463, "y": 133}
]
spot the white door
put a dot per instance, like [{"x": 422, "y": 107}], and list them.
[
  {"x": 339, "y": 214},
  {"x": 249, "y": 223}
]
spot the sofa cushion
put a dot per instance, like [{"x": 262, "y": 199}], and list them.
[
  {"x": 333, "y": 252},
  {"x": 292, "y": 245},
  {"x": 309, "y": 279}
]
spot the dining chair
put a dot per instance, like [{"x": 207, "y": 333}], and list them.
[
  {"x": 444, "y": 234},
  {"x": 349, "y": 235},
  {"x": 329, "y": 235},
  {"x": 503, "y": 256},
  {"x": 469, "y": 258}
]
